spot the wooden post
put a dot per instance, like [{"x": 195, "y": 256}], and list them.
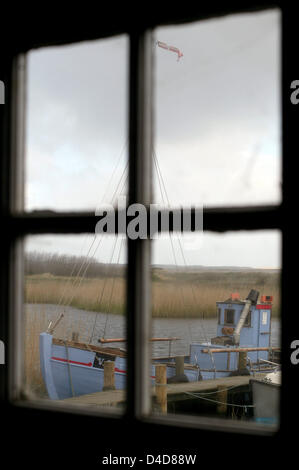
[
  {"x": 221, "y": 396},
  {"x": 242, "y": 360},
  {"x": 75, "y": 336},
  {"x": 161, "y": 390},
  {"x": 109, "y": 382},
  {"x": 179, "y": 365}
]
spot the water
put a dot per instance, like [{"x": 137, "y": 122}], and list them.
[{"x": 95, "y": 324}]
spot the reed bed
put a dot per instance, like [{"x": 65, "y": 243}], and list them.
[
  {"x": 95, "y": 295},
  {"x": 172, "y": 297},
  {"x": 35, "y": 323}
]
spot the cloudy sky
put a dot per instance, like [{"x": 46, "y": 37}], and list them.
[{"x": 217, "y": 130}]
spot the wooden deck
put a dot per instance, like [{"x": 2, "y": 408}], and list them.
[
  {"x": 108, "y": 398},
  {"x": 174, "y": 391}
]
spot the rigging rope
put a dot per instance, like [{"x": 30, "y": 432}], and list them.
[
  {"x": 112, "y": 289},
  {"x": 65, "y": 298},
  {"x": 185, "y": 264},
  {"x": 217, "y": 401},
  {"x": 106, "y": 278},
  {"x": 75, "y": 283}
]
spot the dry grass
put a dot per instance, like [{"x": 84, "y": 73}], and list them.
[
  {"x": 189, "y": 301},
  {"x": 35, "y": 323},
  {"x": 99, "y": 295},
  {"x": 177, "y": 296}
]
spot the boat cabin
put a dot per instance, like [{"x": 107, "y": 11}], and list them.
[{"x": 254, "y": 333}]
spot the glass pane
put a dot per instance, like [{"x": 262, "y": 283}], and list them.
[
  {"x": 76, "y": 134},
  {"x": 75, "y": 330},
  {"x": 217, "y": 136},
  {"x": 216, "y": 305}
]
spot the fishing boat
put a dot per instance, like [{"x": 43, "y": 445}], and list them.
[{"x": 73, "y": 368}]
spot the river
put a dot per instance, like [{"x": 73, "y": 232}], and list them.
[{"x": 188, "y": 330}]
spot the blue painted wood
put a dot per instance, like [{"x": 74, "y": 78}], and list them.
[
  {"x": 257, "y": 334},
  {"x": 69, "y": 372},
  {"x": 45, "y": 349}
]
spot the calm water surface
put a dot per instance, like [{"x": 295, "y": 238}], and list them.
[{"x": 94, "y": 325}]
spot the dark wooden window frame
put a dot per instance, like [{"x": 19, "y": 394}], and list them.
[{"x": 17, "y": 224}]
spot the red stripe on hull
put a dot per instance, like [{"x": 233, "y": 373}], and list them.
[
  {"x": 88, "y": 364},
  {"x": 120, "y": 370}
]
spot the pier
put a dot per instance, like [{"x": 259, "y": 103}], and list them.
[{"x": 168, "y": 394}]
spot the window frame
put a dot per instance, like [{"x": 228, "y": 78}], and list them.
[
  {"x": 20, "y": 224},
  {"x": 218, "y": 315},
  {"x": 247, "y": 323},
  {"x": 229, "y": 311}
]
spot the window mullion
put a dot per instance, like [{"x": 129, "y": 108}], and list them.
[
  {"x": 139, "y": 256},
  {"x": 15, "y": 243}
]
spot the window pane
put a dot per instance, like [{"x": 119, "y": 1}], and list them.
[
  {"x": 229, "y": 316},
  {"x": 217, "y": 137},
  {"x": 217, "y": 293},
  {"x": 76, "y": 135},
  {"x": 75, "y": 330}
]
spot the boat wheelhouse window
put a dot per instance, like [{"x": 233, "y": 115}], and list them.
[
  {"x": 229, "y": 316},
  {"x": 219, "y": 315},
  {"x": 248, "y": 320}
]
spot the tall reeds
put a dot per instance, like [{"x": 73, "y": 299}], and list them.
[{"x": 172, "y": 297}]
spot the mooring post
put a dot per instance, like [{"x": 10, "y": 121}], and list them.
[
  {"x": 75, "y": 336},
  {"x": 179, "y": 365},
  {"x": 161, "y": 387},
  {"x": 221, "y": 397},
  {"x": 109, "y": 382},
  {"x": 242, "y": 363}
]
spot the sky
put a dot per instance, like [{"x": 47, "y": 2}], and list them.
[{"x": 217, "y": 131}]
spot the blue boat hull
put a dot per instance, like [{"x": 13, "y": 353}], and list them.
[{"x": 70, "y": 371}]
